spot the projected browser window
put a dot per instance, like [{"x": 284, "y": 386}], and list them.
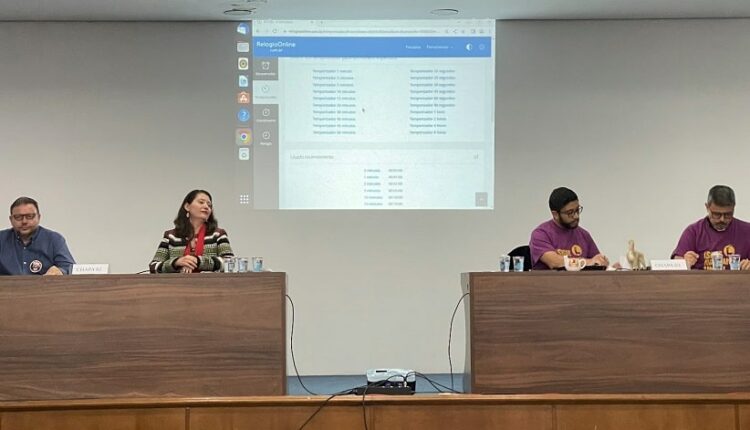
[{"x": 372, "y": 114}]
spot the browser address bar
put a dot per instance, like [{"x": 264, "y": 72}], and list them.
[{"x": 351, "y": 31}]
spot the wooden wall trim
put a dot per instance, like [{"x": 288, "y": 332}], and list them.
[
  {"x": 464, "y": 399},
  {"x": 428, "y": 412}
]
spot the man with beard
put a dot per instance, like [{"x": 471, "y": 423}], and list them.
[
  {"x": 718, "y": 231},
  {"x": 561, "y": 236},
  {"x": 30, "y": 249}
]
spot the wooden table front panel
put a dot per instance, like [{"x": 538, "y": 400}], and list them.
[
  {"x": 142, "y": 336},
  {"x": 621, "y": 332}
]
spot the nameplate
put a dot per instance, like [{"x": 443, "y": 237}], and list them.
[
  {"x": 90, "y": 269},
  {"x": 669, "y": 265}
]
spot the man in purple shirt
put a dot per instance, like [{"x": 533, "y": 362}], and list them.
[
  {"x": 561, "y": 236},
  {"x": 718, "y": 231}
]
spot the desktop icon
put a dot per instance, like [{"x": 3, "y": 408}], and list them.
[
  {"x": 244, "y": 154},
  {"x": 243, "y": 28},
  {"x": 243, "y": 98},
  {"x": 243, "y": 63},
  {"x": 243, "y": 136},
  {"x": 243, "y": 47},
  {"x": 243, "y": 115},
  {"x": 243, "y": 81}
]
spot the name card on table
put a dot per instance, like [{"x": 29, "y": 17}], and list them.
[
  {"x": 669, "y": 265},
  {"x": 90, "y": 269}
]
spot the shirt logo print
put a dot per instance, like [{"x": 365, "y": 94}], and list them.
[{"x": 35, "y": 266}]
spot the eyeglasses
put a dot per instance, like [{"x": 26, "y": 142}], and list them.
[
  {"x": 27, "y": 217},
  {"x": 720, "y": 215},
  {"x": 570, "y": 213}
]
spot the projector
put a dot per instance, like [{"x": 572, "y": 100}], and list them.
[{"x": 389, "y": 381}]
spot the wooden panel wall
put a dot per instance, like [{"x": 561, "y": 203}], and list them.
[
  {"x": 107, "y": 419},
  {"x": 197, "y": 335},
  {"x": 476, "y": 412},
  {"x": 613, "y": 332},
  {"x": 646, "y": 417}
]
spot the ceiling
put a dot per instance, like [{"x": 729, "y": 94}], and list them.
[{"x": 213, "y": 10}]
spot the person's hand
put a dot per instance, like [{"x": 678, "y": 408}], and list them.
[
  {"x": 745, "y": 264},
  {"x": 54, "y": 271},
  {"x": 599, "y": 260},
  {"x": 691, "y": 257},
  {"x": 187, "y": 263}
]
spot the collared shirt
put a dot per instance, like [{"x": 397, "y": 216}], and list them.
[{"x": 46, "y": 249}]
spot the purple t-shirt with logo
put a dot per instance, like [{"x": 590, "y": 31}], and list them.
[
  {"x": 704, "y": 239},
  {"x": 549, "y": 236}
]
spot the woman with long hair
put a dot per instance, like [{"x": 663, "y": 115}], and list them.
[{"x": 196, "y": 243}]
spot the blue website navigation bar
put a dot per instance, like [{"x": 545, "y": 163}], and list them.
[{"x": 369, "y": 47}]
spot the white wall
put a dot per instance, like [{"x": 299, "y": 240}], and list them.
[
  {"x": 108, "y": 125},
  {"x": 641, "y": 118}
]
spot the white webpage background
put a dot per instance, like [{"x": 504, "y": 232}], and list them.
[{"x": 383, "y": 135}]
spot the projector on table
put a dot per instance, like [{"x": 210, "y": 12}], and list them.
[{"x": 389, "y": 381}]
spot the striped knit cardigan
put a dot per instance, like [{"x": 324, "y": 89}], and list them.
[{"x": 171, "y": 247}]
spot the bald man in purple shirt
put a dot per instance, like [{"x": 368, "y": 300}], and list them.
[
  {"x": 561, "y": 236},
  {"x": 718, "y": 231}
]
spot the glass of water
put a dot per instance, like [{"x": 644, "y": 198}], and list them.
[
  {"x": 518, "y": 263},
  {"x": 230, "y": 264},
  {"x": 505, "y": 263},
  {"x": 257, "y": 264},
  {"x": 242, "y": 263},
  {"x": 734, "y": 262},
  {"x": 717, "y": 261}
]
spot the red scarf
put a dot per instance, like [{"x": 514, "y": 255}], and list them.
[{"x": 200, "y": 238}]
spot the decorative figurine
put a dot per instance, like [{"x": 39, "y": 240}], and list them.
[{"x": 635, "y": 258}]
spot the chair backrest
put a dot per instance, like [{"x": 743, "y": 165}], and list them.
[{"x": 525, "y": 252}]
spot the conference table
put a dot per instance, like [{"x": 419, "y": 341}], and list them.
[
  {"x": 142, "y": 336},
  {"x": 644, "y": 332}
]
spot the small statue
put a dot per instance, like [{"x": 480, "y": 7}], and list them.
[{"x": 635, "y": 258}]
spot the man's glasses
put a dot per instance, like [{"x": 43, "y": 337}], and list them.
[
  {"x": 27, "y": 217},
  {"x": 720, "y": 215},
  {"x": 570, "y": 213}
]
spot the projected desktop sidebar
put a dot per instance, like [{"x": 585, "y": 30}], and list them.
[
  {"x": 266, "y": 132},
  {"x": 256, "y": 125},
  {"x": 243, "y": 112}
]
